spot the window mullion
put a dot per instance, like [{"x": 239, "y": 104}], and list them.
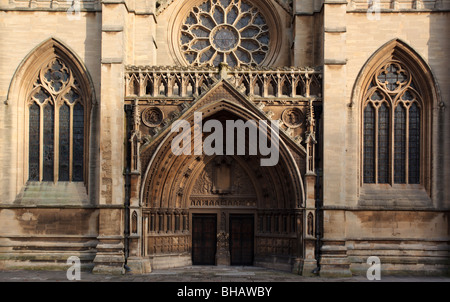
[
  {"x": 41, "y": 142},
  {"x": 363, "y": 155},
  {"x": 71, "y": 143},
  {"x": 407, "y": 145},
  {"x": 376, "y": 144},
  {"x": 392, "y": 145}
]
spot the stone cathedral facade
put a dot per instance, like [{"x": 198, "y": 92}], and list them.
[{"x": 357, "y": 90}]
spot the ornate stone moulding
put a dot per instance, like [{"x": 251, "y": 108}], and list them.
[
  {"x": 293, "y": 117},
  {"x": 280, "y": 85},
  {"x": 396, "y": 5},
  {"x": 160, "y": 68},
  {"x": 150, "y": 68},
  {"x": 236, "y": 32},
  {"x": 161, "y": 5},
  {"x": 152, "y": 117},
  {"x": 49, "y": 5}
]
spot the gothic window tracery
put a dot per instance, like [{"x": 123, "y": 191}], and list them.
[
  {"x": 56, "y": 125},
  {"x": 392, "y": 127},
  {"x": 229, "y": 31}
]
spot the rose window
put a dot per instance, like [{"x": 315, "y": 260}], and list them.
[{"x": 229, "y": 31}]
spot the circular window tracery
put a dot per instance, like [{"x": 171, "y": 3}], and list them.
[
  {"x": 224, "y": 38},
  {"x": 393, "y": 77},
  {"x": 229, "y": 31}
]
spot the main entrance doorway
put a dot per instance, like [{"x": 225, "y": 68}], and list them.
[
  {"x": 187, "y": 200},
  {"x": 241, "y": 239},
  {"x": 204, "y": 239}
]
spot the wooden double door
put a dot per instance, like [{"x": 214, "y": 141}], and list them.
[
  {"x": 241, "y": 239},
  {"x": 204, "y": 239}
]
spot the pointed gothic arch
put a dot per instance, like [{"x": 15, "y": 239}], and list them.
[
  {"x": 163, "y": 150},
  {"x": 393, "y": 139},
  {"x": 55, "y": 72},
  {"x": 171, "y": 193}
]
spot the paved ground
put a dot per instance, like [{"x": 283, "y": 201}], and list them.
[
  {"x": 199, "y": 274},
  {"x": 212, "y": 283}
]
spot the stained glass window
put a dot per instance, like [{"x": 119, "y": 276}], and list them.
[
  {"x": 33, "y": 141},
  {"x": 399, "y": 144},
  {"x": 63, "y": 136},
  {"x": 78, "y": 138},
  {"x": 392, "y": 76},
  {"x": 383, "y": 144},
  {"x": 49, "y": 154},
  {"x": 369, "y": 144},
  {"x": 233, "y": 32},
  {"x": 414, "y": 144},
  {"x": 391, "y": 125},
  {"x": 64, "y": 145}
]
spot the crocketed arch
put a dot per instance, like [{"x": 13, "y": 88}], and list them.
[
  {"x": 169, "y": 178},
  {"x": 29, "y": 75},
  {"x": 397, "y": 81}
]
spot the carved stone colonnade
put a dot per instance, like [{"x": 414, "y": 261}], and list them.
[{"x": 166, "y": 191}]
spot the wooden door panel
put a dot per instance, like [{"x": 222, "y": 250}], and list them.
[
  {"x": 241, "y": 239},
  {"x": 204, "y": 239}
]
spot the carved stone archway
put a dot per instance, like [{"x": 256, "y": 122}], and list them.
[{"x": 173, "y": 188}]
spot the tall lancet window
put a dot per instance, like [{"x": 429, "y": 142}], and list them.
[
  {"x": 56, "y": 125},
  {"x": 392, "y": 119}
]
